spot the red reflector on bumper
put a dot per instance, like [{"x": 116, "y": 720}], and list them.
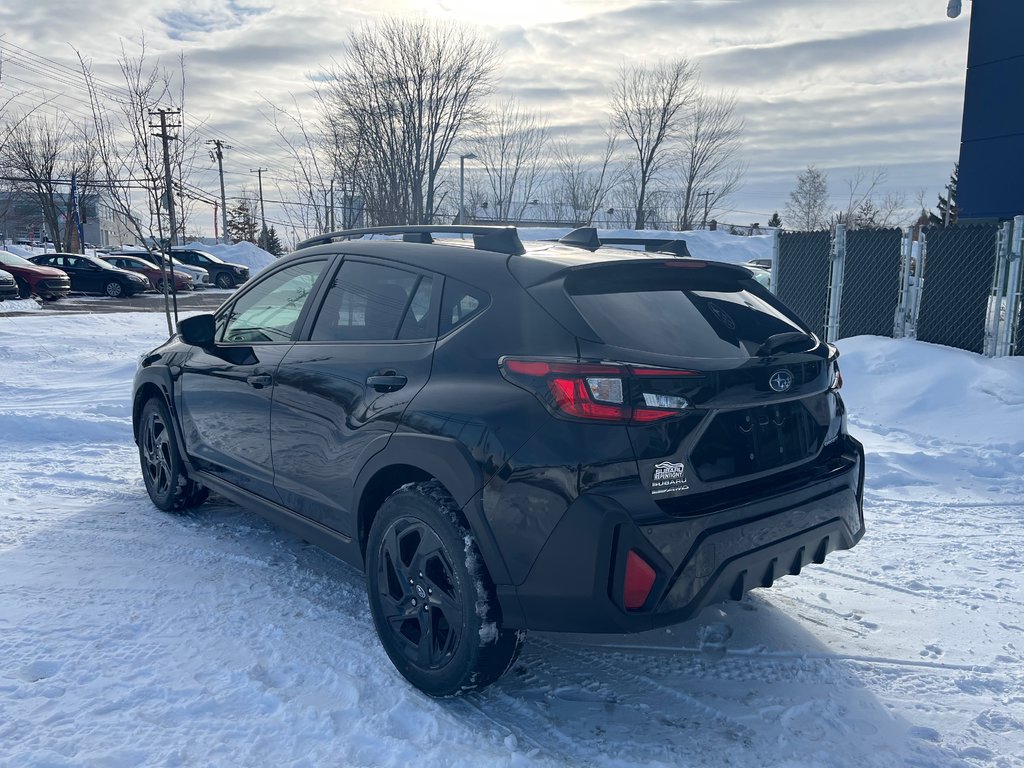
[{"x": 639, "y": 580}]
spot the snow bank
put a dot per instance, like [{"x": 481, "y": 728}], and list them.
[
  {"x": 246, "y": 254},
  {"x": 133, "y": 637},
  {"x": 703, "y": 244},
  {"x": 19, "y": 305}
]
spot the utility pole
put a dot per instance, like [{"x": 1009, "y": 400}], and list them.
[
  {"x": 263, "y": 213},
  {"x": 218, "y": 155},
  {"x": 165, "y": 137},
  {"x": 707, "y": 194}
]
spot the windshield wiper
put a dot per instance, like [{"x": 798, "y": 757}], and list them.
[{"x": 777, "y": 341}]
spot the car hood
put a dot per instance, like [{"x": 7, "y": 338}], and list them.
[{"x": 36, "y": 269}]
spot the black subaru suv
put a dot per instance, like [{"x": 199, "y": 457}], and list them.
[{"x": 567, "y": 438}]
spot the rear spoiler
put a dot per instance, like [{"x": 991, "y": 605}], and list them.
[{"x": 588, "y": 239}]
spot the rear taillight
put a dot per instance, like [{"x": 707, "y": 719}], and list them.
[{"x": 595, "y": 391}]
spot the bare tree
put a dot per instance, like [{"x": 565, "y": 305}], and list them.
[
  {"x": 510, "y": 149},
  {"x": 709, "y": 168},
  {"x": 405, "y": 92},
  {"x": 46, "y": 154},
  {"x": 865, "y": 209},
  {"x": 584, "y": 183},
  {"x": 313, "y": 168},
  {"x": 808, "y": 204},
  {"x": 128, "y": 157},
  {"x": 648, "y": 105}
]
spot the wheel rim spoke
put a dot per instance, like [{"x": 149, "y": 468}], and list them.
[
  {"x": 156, "y": 452},
  {"x": 418, "y": 591}
]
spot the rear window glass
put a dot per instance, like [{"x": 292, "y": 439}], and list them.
[{"x": 690, "y": 312}]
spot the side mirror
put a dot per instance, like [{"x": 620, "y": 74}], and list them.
[{"x": 199, "y": 331}]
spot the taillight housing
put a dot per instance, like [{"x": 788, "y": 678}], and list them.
[
  {"x": 835, "y": 378},
  {"x": 595, "y": 391}
]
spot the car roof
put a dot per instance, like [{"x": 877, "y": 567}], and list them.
[{"x": 542, "y": 260}]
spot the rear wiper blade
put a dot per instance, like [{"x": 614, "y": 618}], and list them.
[{"x": 779, "y": 340}]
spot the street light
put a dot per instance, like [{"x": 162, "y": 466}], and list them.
[{"x": 462, "y": 184}]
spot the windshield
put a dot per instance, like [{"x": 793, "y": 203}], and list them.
[{"x": 13, "y": 261}]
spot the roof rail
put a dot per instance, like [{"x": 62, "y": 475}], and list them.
[
  {"x": 497, "y": 239},
  {"x": 588, "y": 239}
]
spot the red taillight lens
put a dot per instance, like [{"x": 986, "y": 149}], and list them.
[
  {"x": 639, "y": 579},
  {"x": 591, "y": 391}
]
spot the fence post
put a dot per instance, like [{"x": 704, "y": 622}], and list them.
[
  {"x": 899, "y": 328},
  {"x": 994, "y": 317},
  {"x": 1004, "y": 344},
  {"x": 774, "y": 273},
  {"x": 835, "y": 283}
]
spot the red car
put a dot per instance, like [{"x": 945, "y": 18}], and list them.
[
  {"x": 182, "y": 282},
  {"x": 45, "y": 282}
]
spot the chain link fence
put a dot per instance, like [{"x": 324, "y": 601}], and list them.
[
  {"x": 958, "y": 267},
  {"x": 871, "y": 282},
  {"x": 959, "y": 286},
  {"x": 801, "y": 275}
]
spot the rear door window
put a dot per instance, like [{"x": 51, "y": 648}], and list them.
[
  {"x": 372, "y": 302},
  {"x": 691, "y": 312}
]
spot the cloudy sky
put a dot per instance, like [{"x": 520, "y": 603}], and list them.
[{"x": 844, "y": 85}]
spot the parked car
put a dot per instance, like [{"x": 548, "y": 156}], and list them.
[
  {"x": 45, "y": 282},
  {"x": 90, "y": 274},
  {"x": 200, "y": 277},
  {"x": 223, "y": 274},
  {"x": 155, "y": 275},
  {"x": 505, "y": 440},
  {"x": 8, "y": 286}
]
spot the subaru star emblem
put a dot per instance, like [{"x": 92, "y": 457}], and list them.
[{"x": 781, "y": 380}]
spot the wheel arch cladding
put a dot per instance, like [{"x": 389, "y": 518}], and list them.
[{"x": 142, "y": 394}]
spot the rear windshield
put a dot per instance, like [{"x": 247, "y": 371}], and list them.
[{"x": 692, "y": 312}]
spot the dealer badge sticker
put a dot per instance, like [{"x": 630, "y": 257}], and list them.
[{"x": 669, "y": 478}]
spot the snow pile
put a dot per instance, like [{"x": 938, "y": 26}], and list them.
[
  {"x": 702, "y": 244},
  {"x": 246, "y": 254},
  {"x": 19, "y": 305},
  {"x": 134, "y": 637}
]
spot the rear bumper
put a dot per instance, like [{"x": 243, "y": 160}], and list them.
[{"x": 576, "y": 583}]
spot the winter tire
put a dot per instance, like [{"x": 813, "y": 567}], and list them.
[
  {"x": 114, "y": 289},
  {"x": 24, "y": 290},
  {"x": 162, "y": 468},
  {"x": 431, "y": 597},
  {"x": 224, "y": 280}
]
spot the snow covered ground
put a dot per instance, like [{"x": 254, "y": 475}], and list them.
[{"x": 133, "y": 637}]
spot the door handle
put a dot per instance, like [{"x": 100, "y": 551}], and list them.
[
  {"x": 387, "y": 382},
  {"x": 260, "y": 380}
]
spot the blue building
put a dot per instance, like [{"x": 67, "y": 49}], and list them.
[{"x": 991, "y": 181}]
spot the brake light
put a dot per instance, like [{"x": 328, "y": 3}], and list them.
[
  {"x": 594, "y": 391},
  {"x": 640, "y": 578}
]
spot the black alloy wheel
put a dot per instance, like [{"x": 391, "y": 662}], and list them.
[
  {"x": 162, "y": 469},
  {"x": 431, "y": 598},
  {"x": 224, "y": 280},
  {"x": 114, "y": 289}
]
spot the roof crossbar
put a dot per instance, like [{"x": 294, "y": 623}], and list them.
[
  {"x": 588, "y": 239},
  {"x": 497, "y": 239}
]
